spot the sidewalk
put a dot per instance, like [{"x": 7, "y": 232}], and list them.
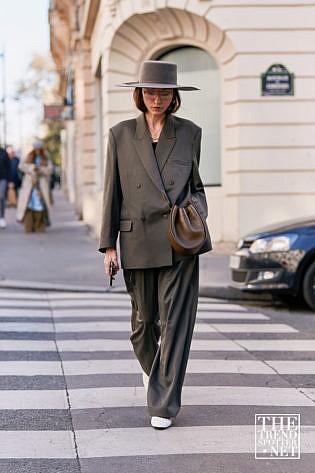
[{"x": 65, "y": 258}]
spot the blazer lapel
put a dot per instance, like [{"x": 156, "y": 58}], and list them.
[
  {"x": 145, "y": 151},
  {"x": 166, "y": 142}
]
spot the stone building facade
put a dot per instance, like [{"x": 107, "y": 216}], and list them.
[{"x": 258, "y": 156}]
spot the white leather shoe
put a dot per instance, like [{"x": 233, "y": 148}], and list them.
[
  {"x": 160, "y": 423},
  {"x": 145, "y": 380}
]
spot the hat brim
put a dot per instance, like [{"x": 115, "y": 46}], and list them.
[{"x": 151, "y": 85}]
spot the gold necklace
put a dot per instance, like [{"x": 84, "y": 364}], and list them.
[{"x": 155, "y": 135}]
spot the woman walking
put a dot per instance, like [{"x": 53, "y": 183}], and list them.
[
  {"x": 34, "y": 197},
  {"x": 152, "y": 162}
]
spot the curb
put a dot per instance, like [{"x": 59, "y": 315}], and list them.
[{"x": 211, "y": 291}]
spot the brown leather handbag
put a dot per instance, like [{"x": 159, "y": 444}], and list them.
[{"x": 188, "y": 231}]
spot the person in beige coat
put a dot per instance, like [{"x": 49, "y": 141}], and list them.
[
  {"x": 34, "y": 202},
  {"x": 152, "y": 162}
]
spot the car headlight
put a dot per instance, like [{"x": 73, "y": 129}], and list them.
[{"x": 269, "y": 244}]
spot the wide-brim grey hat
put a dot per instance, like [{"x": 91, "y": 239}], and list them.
[{"x": 158, "y": 75}]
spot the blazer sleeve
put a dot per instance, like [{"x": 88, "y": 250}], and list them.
[
  {"x": 112, "y": 198},
  {"x": 197, "y": 189}
]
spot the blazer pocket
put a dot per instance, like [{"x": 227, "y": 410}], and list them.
[{"x": 125, "y": 225}]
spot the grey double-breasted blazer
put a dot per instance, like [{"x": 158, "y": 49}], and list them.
[{"x": 140, "y": 185}]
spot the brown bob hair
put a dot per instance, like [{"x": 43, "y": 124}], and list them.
[{"x": 173, "y": 107}]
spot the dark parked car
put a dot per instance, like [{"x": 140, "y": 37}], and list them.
[{"x": 279, "y": 258}]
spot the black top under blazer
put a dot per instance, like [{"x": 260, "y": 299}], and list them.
[{"x": 135, "y": 204}]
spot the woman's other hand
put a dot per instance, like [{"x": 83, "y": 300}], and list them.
[{"x": 111, "y": 255}]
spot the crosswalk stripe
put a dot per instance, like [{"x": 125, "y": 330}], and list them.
[
  {"x": 125, "y": 327},
  {"x": 24, "y": 303},
  {"x": 39, "y": 313},
  {"x": 175, "y": 441},
  {"x": 121, "y": 366},
  {"x": 121, "y": 312},
  {"x": 33, "y": 399},
  {"x": 263, "y": 328},
  {"x": 104, "y": 344},
  {"x": 293, "y": 367},
  {"x": 88, "y": 367},
  {"x": 192, "y": 395},
  {"x": 194, "y": 366},
  {"x": 278, "y": 345},
  {"x": 27, "y": 345},
  {"x": 25, "y": 368},
  {"x": 131, "y": 396},
  {"x": 145, "y": 441},
  {"x": 231, "y": 315}
]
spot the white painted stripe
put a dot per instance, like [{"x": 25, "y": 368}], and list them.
[
  {"x": 121, "y": 312},
  {"x": 89, "y": 367},
  {"x": 231, "y": 315},
  {"x": 112, "y": 327},
  {"x": 23, "y": 303},
  {"x": 90, "y": 303},
  {"x": 221, "y": 307},
  {"x": 104, "y": 344},
  {"x": 38, "y": 313},
  {"x": 91, "y": 295},
  {"x": 310, "y": 392},
  {"x": 228, "y": 366},
  {"x": 26, "y": 327},
  {"x": 90, "y": 398},
  {"x": 92, "y": 345},
  {"x": 278, "y": 345},
  {"x": 175, "y": 441},
  {"x": 22, "y": 295},
  {"x": 192, "y": 396},
  {"x": 33, "y": 399},
  {"x": 39, "y": 444},
  {"x": 211, "y": 300},
  {"x": 93, "y": 312},
  {"x": 60, "y": 296},
  {"x": 125, "y": 327},
  {"x": 262, "y": 328},
  {"x": 293, "y": 367},
  {"x": 27, "y": 345},
  {"x": 145, "y": 441},
  {"x": 30, "y": 368}
]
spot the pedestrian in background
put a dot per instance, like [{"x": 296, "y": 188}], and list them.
[
  {"x": 34, "y": 201},
  {"x": 152, "y": 160},
  {"x": 14, "y": 178},
  {"x": 4, "y": 178}
]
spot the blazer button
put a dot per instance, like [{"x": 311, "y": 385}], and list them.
[
  {"x": 138, "y": 186},
  {"x": 165, "y": 215}
]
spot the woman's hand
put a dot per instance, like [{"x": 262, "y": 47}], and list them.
[{"x": 111, "y": 255}]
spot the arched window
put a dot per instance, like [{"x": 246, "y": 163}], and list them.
[{"x": 197, "y": 67}]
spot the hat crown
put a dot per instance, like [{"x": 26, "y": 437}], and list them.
[{"x": 158, "y": 72}]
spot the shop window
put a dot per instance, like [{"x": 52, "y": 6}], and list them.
[{"x": 197, "y": 67}]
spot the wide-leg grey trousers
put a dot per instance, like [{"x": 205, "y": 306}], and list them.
[{"x": 164, "y": 304}]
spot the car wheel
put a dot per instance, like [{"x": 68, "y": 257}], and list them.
[{"x": 309, "y": 286}]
